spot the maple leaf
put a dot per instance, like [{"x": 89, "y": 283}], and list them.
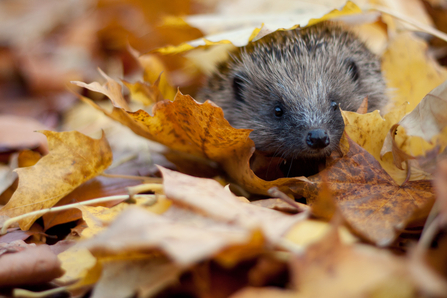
[
  {"x": 73, "y": 159},
  {"x": 369, "y": 199}
]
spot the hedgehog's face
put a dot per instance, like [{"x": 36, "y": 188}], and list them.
[{"x": 294, "y": 117}]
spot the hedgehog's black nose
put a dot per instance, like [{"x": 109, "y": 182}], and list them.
[{"x": 317, "y": 139}]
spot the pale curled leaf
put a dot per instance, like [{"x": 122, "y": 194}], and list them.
[
  {"x": 112, "y": 89},
  {"x": 429, "y": 117},
  {"x": 136, "y": 229},
  {"x": 257, "y": 26},
  {"x": 213, "y": 200}
]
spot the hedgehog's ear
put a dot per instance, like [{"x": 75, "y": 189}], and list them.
[
  {"x": 238, "y": 86},
  {"x": 353, "y": 70}
]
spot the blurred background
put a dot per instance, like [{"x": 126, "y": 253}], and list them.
[{"x": 46, "y": 44}]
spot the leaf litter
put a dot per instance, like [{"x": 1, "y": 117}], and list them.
[{"x": 194, "y": 237}]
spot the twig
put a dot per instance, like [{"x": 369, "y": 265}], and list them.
[
  {"x": 30, "y": 294},
  {"x": 12, "y": 220}
]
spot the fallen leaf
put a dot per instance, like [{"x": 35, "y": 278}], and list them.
[
  {"x": 373, "y": 204},
  {"x": 125, "y": 278},
  {"x": 330, "y": 268},
  {"x": 75, "y": 261},
  {"x": 261, "y": 27},
  {"x": 73, "y": 159},
  {"x": 156, "y": 74},
  {"x": 16, "y": 235},
  {"x": 14, "y": 246},
  {"x": 409, "y": 70},
  {"x": 428, "y": 118},
  {"x": 137, "y": 230},
  {"x": 370, "y": 131},
  {"x": 21, "y": 134},
  {"x": 208, "y": 197},
  {"x": 111, "y": 89},
  {"x": 34, "y": 265},
  {"x": 308, "y": 232},
  {"x": 98, "y": 218}
]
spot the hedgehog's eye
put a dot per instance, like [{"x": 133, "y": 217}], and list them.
[
  {"x": 334, "y": 106},
  {"x": 238, "y": 85},
  {"x": 353, "y": 70},
  {"x": 278, "y": 112}
]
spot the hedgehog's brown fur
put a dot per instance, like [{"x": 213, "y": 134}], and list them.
[{"x": 301, "y": 71}]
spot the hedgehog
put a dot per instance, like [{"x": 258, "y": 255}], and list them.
[{"x": 289, "y": 87}]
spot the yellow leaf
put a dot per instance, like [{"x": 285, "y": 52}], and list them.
[
  {"x": 307, "y": 232},
  {"x": 98, "y": 218},
  {"x": 409, "y": 71},
  {"x": 76, "y": 261},
  {"x": 370, "y": 130},
  {"x": 73, "y": 159},
  {"x": 155, "y": 72}
]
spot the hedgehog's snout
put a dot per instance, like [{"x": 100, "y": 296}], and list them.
[{"x": 317, "y": 139}]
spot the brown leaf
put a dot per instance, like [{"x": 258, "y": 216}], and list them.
[
  {"x": 16, "y": 235},
  {"x": 21, "y": 134},
  {"x": 33, "y": 265},
  {"x": 440, "y": 185},
  {"x": 363, "y": 109},
  {"x": 74, "y": 158},
  {"x": 369, "y": 199}
]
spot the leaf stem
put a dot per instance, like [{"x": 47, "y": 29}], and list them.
[
  {"x": 12, "y": 220},
  {"x": 145, "y": 179},
  {"x": 30, "y": 294}
]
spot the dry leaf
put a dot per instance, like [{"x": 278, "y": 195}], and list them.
[
  {"x": 111, "y": 89},
  {"x": 21, "y": 134},
  {"x": 73, "y": 159},
  {"x": 428, "y": 119},
  {"x": 137, "y": 230},
  {"x": 125, "y": 278},
  {"x": 240, "y": 37},
  {"x": 373, "y": 204},
  {"x": 332, "y": 269},
  {"x": 208, "y": 197},
  {"x": 409, "y": 71},
  {"x": 75, "y": 261},
  {"x": 34, "y": 265},
  {"x": 370, "y": 131}
]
